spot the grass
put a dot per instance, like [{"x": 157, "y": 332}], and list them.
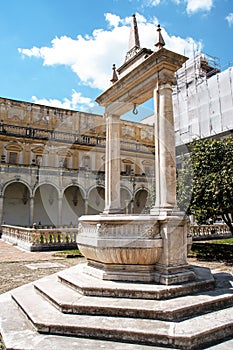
[
  {"x": 215, "y": 250},
  {"x": 222, "y": 241},
  {"x": 74, "y": 253}
]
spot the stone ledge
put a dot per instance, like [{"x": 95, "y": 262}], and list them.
[
  {"x": 188, "y": 334},
  {"x": 68, "y": 300},
  {"x": 92, "y": 286}
]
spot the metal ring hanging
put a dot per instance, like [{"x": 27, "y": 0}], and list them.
[{"x": 135, "y": 111}]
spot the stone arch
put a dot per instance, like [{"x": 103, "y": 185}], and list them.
[
  {"x": 43, "y": 184},
  {"x": 96, "y": 196},
  {"x": 46, "y": 211},
  {"x": 75, "y": 184},
  {"x": 17, "y": 179},
  {"x": 16, "y": 204},
  {"x": 73, "y": 205}
]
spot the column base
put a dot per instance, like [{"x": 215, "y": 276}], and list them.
[
  {"x": 166, "y": 211},
  {"x": 113, "y": 211},
  {"x": 139, "y": 273},
  {"x": 173, "y": 275}
]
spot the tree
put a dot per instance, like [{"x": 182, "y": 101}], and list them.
[{"x": 205, "y": 181}]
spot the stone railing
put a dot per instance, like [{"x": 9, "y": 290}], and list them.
[
  {"x": 36, "y": 239},
  {"x": 209, "y": 231},
  {"x": 69, "y": 137}
]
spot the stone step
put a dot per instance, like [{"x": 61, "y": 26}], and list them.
[
  {"x": 20, "y": 335},
  {"x": 189, "y": 334},
  {"x": 68, "y": 300},
  {"x": 76, "y": 278}
]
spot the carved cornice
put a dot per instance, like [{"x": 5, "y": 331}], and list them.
[{"x": 138, "y": 85}]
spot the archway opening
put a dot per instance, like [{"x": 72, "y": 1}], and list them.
[
  {"x": 46, "y": 206},
  {"x": 140, "y": 201},
  {"x": 16, "y": 205},
  {"x": 73, "y": 206},
  {"x": 96, "y": 200}
]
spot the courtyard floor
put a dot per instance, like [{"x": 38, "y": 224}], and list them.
[{"x": 18, "y": 267}]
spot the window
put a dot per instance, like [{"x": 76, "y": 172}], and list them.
[
  {"x": 148, "y": 170},
  {"x": 86, "y": 162},
  {"x": 38, "y": 159},
  {"x": 13, "y": 157},
  {"x": 128, "y": 169},
  {"x": 66, "y": 163}
]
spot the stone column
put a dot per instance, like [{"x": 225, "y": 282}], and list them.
[
  {"x": 165, "y": 161},
  {"x": 59, "y": 220},
  {"x": 1, "y": 209},
  {"x": 172, "y": 266},
  {"x": 85, "y": 206},
  {"x": 112, "y": 165},
  {"x": 31, "y": 211}
]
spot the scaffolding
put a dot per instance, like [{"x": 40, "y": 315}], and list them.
[{"x": 202, "y": 99}]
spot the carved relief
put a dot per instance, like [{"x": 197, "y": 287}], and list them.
[
  {"x": 128, "y": 131},
  {"x": 16, "y": 113},
  {"x": 147, "y": 134},
  {"x": 102, "y": 229},
  {"x": 152, "y": 231}
]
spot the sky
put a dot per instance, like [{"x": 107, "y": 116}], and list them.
[{"x": 60, "y": 52}]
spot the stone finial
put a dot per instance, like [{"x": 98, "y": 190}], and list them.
[
  {"x": 134, "y": 36},
  {"x": 134, "y": 43},
  {"x": 160, "y": 42},
  {"x": 114, "y": 74}
]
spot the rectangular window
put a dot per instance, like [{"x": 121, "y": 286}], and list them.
[
  {"x": 13, "y": 158},
  {"x": 86, "y": 161},
  {"x": 148, "y": 171},
  {"x": 128, "y": 169},
  {"x": 65, "y": 163}
]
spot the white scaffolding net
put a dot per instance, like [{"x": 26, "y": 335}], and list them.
[{"x": 202, "y": 100}]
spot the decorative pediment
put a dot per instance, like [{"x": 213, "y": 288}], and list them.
[
  {"x": 14, "y": 146},
  {"x": 38, "y": 150},
  {"x": 127, "y": 161}
]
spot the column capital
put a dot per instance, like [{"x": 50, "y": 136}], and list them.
[
  {"x": 109, "y": 113},
  {"x": 165, "y": 85},
  {"x": 166, "y": 78}
]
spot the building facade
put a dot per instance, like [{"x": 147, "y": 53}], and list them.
[
  {"x": 202, "y": 101},
  {"x": 53, "y": 161}
]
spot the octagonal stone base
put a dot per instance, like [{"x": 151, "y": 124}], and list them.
[{"x": 139, "y": 248}]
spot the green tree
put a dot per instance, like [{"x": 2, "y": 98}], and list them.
[{"x": 205, "y": 181}]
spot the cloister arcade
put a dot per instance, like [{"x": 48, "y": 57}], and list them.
[{"x": 47, "y": 205}]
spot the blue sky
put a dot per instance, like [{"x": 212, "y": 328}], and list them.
[{"x": 60, "y": 52}]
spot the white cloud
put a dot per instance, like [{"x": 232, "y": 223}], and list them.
[
  {"x": 113, "y": 20},
  {"x": 91, "y": 56},
  {"x": 194, "y": 6},
  {"x": 229, "y": 19},
  {"x": 148, "y": 3},
  {"x": 77, "y": 101}
]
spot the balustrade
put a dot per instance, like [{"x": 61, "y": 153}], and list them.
[
  {"x": 39, "y": 239},
  {"x": 46, "y": 134},
  {"x": 205, "y": 231}
]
